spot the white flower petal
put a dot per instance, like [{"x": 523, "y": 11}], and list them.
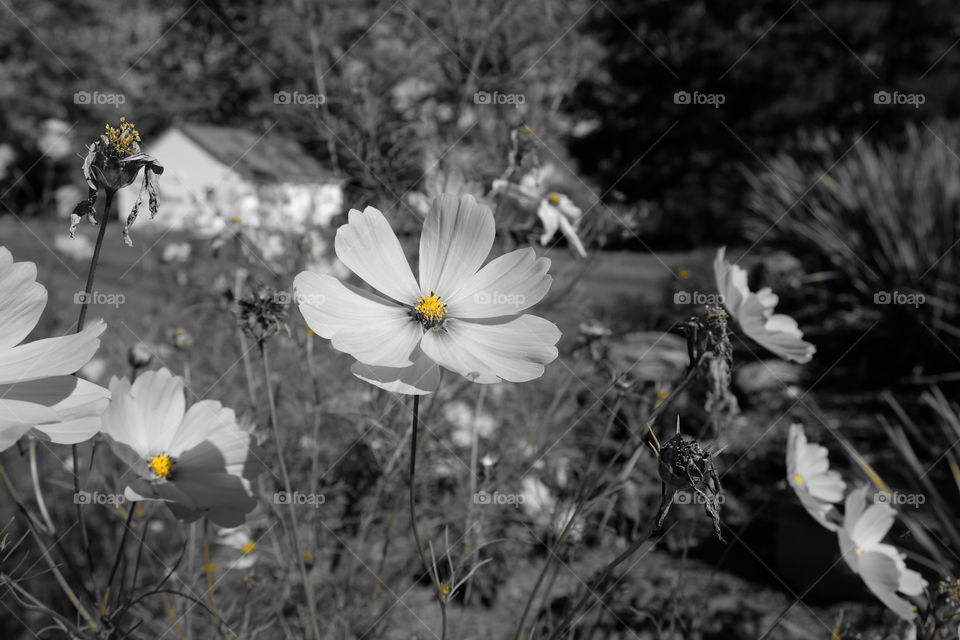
[
  {"x": 872, "y": 525},
  {"x": 23, "y": 300},
  {"x": 515, "y": 351},
  {"x": 383, "y": 342},
  {"x": 457, "y": 237},
  {"x": 420, "y": 378},
  {"x": 369, "y": 247},
  {"x": 50, "y": 356},
  {"x": 328, "y": 305},
  {"x": 881, "y": 574},
  {"x": 144, "y": 416},
  {"x": 506, "y": 286},
  {"x": 777, "y": 333}
]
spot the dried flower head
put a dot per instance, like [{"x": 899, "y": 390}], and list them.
[
  {"x": 684, "y": 466},
  {"x": 263, "y": 313},
  {"x": 112, "y": 163}
]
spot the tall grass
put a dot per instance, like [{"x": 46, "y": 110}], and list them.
[{"x": 884, "y": 218}]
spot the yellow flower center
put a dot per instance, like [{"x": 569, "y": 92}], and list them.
[
  {"x": 858, "y": 551},
  {"x": 430, "y": 311},
  {"x": 161, "y": 465},
  {"x": 554, "y": 199},
  {"x": 444, "y": 589},
  {"x": 123, "y": 140},
  {"x": 248, "y": 548},
  {"x": 798, "y": 479}
]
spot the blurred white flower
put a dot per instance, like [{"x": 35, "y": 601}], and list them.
[
  {"x": 176, "y": 252},
  {"x": 460, "y": 316},
  {"x": 462, "y": 417},
  {"x": 95, "y": 370},
  {"x": 38, "y": 390},
  {"x": 558, "y": 212},
  {"x": 198, "y": 461},
  {"x": 79, "y": 248},
  {"x": 540, "y": 504},
  {"x": 809, "y": 473},
  {"x": 754, "y": 312},
  {"x": 881, "y": 566},
  {"x": 238, "y": 539},
  {"x": 54, "y": 141}
]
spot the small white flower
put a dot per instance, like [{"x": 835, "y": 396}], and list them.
[
  {"x": 809, "y": 473},
  {"x": 464, "y": 419},
  {"x": 558, "y": 212},
  {"x": 881, "y": 566},
  {"x": 198, "y": 461},
  {"x": 462, "y": 315},
  {"x": 754, "y": 313},
  {"x": 37, "y": 389}
]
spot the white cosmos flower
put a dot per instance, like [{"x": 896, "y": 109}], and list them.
[
  {"x": 881, "y": 566},
  {"x": 198, "y": 461},
  {"x": 459, "y": 315},
  {"x": 809, "y": 473},
  {"x": 37, "y": 389},
  {"x": 754, "y": 312},
  {"x": 558, "y": 212}
]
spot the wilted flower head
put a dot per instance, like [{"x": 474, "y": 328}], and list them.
[
  {"x": 684, "y": 466},
  {"x": 197, "y": 460},
  {"x": 881, "y": 566},
  {"x": 810, "y": 476},
  {"x": 112, "y": 163},
  {"x": 263, "y": 312},
  {"x": 38, "y": 391},
  {"x": 754, "y": 312}
]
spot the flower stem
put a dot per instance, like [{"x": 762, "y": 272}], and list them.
[
  {"x": 604, "y": 574},
  {"x": 307, "y": 585},
  {"x": 414, "y": 428},
  {"x": 88, "y": 289}
]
